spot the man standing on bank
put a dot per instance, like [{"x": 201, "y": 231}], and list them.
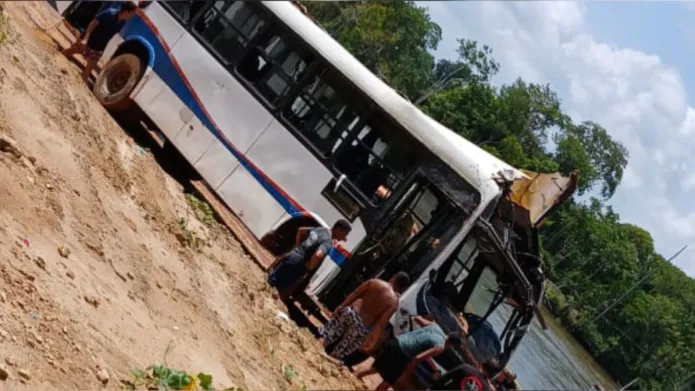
[
  {"x": 366, "y": 311},
  {"x": 313, "y": 244},
  {"x": 99, "y": 32},
  {"x": 403, "y": 354}
]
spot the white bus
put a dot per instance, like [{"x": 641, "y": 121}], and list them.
[{"x": 290, "y": 130}]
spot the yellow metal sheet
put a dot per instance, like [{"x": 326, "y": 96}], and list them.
[{"x": 539, "y": 193}]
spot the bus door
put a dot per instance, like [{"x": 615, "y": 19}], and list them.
[{"x": 411, "y": 218}]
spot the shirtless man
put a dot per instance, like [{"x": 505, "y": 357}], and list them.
[{"x": 366, "y": 311}]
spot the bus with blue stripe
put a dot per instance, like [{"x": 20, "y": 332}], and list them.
[{"x": 290, "y": 130}]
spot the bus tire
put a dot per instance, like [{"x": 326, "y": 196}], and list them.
[{"x": 117, "y": 81}]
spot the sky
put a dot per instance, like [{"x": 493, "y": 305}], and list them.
[{"x": 625, "y": 65}]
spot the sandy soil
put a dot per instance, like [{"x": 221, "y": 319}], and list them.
[{"x": 95, "y": 277}]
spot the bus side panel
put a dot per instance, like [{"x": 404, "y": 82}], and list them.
[
  {"x": 166, "y": 109},
  {"x": 151, "y": 87},
  {"x": 290, "y": 165},
  {"x": 194, "y": 139},
  {"x": 216, "y": 164},
  {"x": 250, "y": 201},
  {"x": 168, "y": 28},
  {"x": 110, "y": 49},
  {"x": 407, "y": 307},
  {"x": 237, "y": 119},
  {"x": 330, "y": 214},
  {"x": 233, "y": 110}
]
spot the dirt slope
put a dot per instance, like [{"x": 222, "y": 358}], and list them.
[{"x": 93, "y": 275}]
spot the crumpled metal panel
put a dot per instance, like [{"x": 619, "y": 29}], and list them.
[{"x": 538, "y": 194}]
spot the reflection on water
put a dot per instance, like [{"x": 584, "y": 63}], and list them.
[{"x": 544, "y": 360}]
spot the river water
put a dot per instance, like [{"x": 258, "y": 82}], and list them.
[{"x": 545, "y": 360}]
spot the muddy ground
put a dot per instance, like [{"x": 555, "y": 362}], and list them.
[{"x": 105, "y": 264}]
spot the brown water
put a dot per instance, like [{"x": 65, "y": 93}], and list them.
[{"x": 545, "y": 360}]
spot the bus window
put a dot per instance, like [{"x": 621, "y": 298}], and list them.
[
  {"x": 422, "y": 250},
  {"x": 379, "y": 158},
  {"x": 275, "y": 64},
  {"x": 184, "y": 10},
  {"x": 229, "y": 26},
  {"x": 462, "y": 263},
  {"x": 425, "y": 208},
  {"x": 323, "y": 112},
  {"x": 411, "y": 221}
]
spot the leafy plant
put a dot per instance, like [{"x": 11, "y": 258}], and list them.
[
  {"x": 4, "y": 28},
  {"x": 188, "y": 237},
  {"x": 288, "y": 372},
  {"x": 202, "y": 210},
  {"x": 165, "y": 378}
]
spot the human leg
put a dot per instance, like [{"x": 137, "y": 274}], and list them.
[
  {"x": 353, "y": 337},
  {"x": 285, "y": 274},
  {"x": 383, "y": 386},
  {"x": 366, "y": 372},
  {"x": 73, "y": 49},
  {"x": 92, "y": 56},
  {"x": 334, "y": 328},
  {"x": 390, "y": 364},
  {"x": 87, "y": 71}
]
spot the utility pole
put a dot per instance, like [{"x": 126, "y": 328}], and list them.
[{"x": 637, "y": 284}]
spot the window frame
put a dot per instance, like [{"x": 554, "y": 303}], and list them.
[
  {"x": 403, "y": 181},
  {"x": 366, "y": 107},
  {"x": 364, "y": 110},
  {"x": 276, "y": 107},
  {"x": 186, "y": 25}
]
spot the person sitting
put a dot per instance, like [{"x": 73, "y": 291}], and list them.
[{"x": 312, "y": 246}]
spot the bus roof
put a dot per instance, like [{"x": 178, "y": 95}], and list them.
[{"x": 473, "y": 163}]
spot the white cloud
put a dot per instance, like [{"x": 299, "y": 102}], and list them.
[
  {"x": 688, "y": 182},
  {"x": 640, "y": 100}
]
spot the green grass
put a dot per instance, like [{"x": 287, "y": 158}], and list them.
[{"x": 202, "y": 210}]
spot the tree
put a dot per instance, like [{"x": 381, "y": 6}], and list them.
[
  {"x": 391, "y": 38},
  {"x": 598, "y": 157},
  {"x": 592, "y": 256}
]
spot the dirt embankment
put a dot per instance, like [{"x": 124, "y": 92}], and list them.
[{"x": 101, "y": 269}]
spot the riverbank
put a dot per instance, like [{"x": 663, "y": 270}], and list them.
[{"x": 566, "y": 321}]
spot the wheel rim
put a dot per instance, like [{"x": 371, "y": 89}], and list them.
[
  {"x": 471, "y": 383},
  {"x": 116, "y": 81}
]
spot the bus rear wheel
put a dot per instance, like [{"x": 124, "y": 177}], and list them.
[{"x": 117, "y": 81}]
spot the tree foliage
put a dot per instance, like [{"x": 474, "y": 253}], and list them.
[{"x": 591, "y": 256}]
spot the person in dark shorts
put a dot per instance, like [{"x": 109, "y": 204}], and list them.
[
  {"x": 100, "y": 31},
  {"x": 402, "y": 355},
  {"x": 366, "y": 312},
  {"x": 312, "y": 246}
]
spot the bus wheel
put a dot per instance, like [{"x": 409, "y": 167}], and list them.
[{"x": 117, "y": 81}]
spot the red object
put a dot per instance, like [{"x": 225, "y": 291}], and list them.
[
  {"x": 471, "y": 383},
  {"x": 25, "y": 241}
]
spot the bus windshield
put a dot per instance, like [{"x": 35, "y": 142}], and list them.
[{"x": 469, "y": 286}]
